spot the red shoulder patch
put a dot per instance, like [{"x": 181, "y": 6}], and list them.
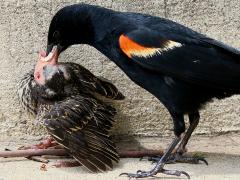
[{"x": 132, "y": 48}]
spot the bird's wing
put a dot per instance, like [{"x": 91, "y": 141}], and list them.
[
  {"x": 105, "y": 88},
  {"x": 197, "y": 60},
  {"x": 96, "y": 84},
  {"x": 81, "y": 125}
]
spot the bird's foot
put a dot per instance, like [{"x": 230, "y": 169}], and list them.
[
  {"x": 153, "y": 172},
  {"x": 45, "y": 144},
  {"x": 192, "y": 159},
  {"x": 72, "y": 163},
  {"x": 181, "y": 158}
]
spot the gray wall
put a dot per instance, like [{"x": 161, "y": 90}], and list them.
[{"x": 23, "y": 31}]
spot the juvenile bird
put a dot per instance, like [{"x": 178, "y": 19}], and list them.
[
  {"x": 64, "y": 97},
  {"x": 181, "y": 67}
]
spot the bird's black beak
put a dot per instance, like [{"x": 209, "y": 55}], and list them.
[{"x": 59, "y": 48}]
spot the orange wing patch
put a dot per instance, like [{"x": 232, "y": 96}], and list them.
[{"x": 131, "y": 48}]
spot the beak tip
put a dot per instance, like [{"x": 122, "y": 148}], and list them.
[
  {"x": 49, "y": 48},
  {"x": 54, "y": 48}
]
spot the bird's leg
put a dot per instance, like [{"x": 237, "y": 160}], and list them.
[
  {"x": 179, "y": 128},
  {"x": 181, "y": 149},
  {"x": 45, "y": 144},
  {"x": 64, "y": 164},
  {"x": 159, "y": 167},
  {"x": 179, "y": 155},
  {"x": 194, "y": 120},
  {"x": 48, "y": 144}
]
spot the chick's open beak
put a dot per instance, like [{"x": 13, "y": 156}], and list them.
[
  {"x": 52, "y": 56},
  {"x": 50, "y": 49},
  {"x": 43, "y": 60}
]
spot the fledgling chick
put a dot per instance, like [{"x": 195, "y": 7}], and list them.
[{"x": 63, "y": 96}]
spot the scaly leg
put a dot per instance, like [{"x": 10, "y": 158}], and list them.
[
  {"x": 45, "y": 144},
  {"x": 179, "y": 128},
  {"x": 159, "y": 167},
  {"x": 181, "y": 149},
  {"x": 180, "y": 157},
  {"x": 194, "y": 120},
  {"x": 64, "y": 164}
]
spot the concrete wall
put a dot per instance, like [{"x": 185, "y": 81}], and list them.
[{"x": 23, "y": 31}]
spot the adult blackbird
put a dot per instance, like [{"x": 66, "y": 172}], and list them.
[{"x": 182, "y": 68}]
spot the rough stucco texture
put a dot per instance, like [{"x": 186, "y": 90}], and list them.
[{"x": 23, "y": 31}]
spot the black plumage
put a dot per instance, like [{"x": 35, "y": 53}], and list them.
[
  {"x": 67, "y": 105},
  {"x": 182, "y": 68}
]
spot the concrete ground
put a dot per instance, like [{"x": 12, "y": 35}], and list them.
[{"x": 222, "y": 152}]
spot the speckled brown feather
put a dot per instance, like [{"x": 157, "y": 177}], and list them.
[{"x": 95, "y": 84}]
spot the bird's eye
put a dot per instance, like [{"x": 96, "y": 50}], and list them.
[{"x": 56, "y": 35}]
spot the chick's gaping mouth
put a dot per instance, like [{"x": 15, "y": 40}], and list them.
[{"x": 44, "y": 60}]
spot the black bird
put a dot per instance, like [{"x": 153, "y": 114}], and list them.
[
  {"x": 182, "y": 68},
  {"x": 63, "y": 96}
]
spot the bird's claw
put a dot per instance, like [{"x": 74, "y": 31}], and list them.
[
  {"x": 152, "y": 173},
  {"x": 174, "y": 173},
  {"x": 139, "y": 174},
  {"x": 195, "y": 159},
  {"x": 199, "y": 157},
  {"x": 45, "y": 144}
]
